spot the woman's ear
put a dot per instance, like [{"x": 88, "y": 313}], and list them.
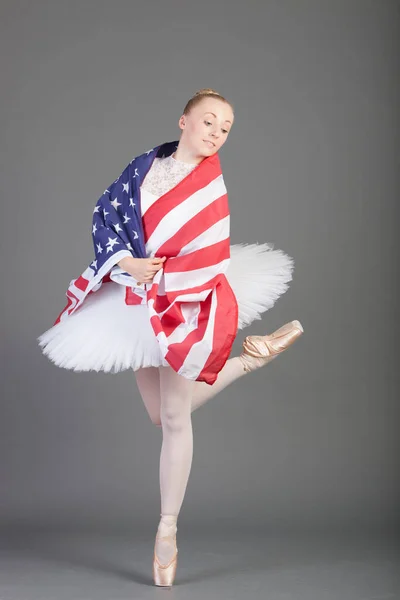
[{"x": 182, "y": 122}]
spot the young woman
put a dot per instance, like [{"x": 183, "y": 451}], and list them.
[{"x": 167, "y": 293}]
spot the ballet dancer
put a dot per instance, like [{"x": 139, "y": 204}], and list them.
[{"x": 167, "y": 293}]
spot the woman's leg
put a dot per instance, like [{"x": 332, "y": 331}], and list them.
[
  {"x": 232, "y": 370},
  {"x": 148, "y": 382},
  {"x": 176, "y": 453},
  {"x": 248, "y": 361}
]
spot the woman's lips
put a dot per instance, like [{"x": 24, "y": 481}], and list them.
[{"x": 209, "y": 142}]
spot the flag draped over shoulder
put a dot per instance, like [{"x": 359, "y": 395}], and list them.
[{"x": 193, "y": 310}]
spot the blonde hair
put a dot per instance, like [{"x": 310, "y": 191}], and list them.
[{"x": 198, "y": 97}]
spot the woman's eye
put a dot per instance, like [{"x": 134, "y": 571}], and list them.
[{"x": 209, "y": 123}]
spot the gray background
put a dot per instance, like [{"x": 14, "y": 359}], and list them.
[{"x": 310, "y": 441}]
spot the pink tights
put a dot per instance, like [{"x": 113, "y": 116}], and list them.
[
  {"x": 170, "y": 399},
  {"x": 150, "y": 386}
]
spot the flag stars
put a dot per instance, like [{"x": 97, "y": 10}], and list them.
[
  {"x": 115, "y": 203},
  {"x": 94, "y": 229},
  {"x": 94, "y": 264},
  {"x": 126, "y": 187},
  {"x": 135, "y": 233},
  {"x": 136, "y": 173},
  {"x": 111, "y": 243},
  {"x": 131, "y": 202},
  {"x": 117, "y": 227},
  {"x": 105, "y": 213},
  {"x": 96, "y": 209},
  {"x": 126, "y": 218},
  {"x": 129, "y": 246},
  {"x": 99, "y": 248}
]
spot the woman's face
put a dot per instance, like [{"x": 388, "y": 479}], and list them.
[{"x": 206, "y": 128}]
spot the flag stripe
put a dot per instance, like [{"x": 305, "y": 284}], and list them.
[
  {"x": 198, "y": 259},
  {"x": 178, "y": 352},
  {"x": 203, "y": 221},
  {"x": 181, "y": 214},
  {"x": 227, "y": 312},
  {"x": 199, "y": 178}
]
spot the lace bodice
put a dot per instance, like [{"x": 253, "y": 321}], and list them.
[{"x": 164, "y": 174}]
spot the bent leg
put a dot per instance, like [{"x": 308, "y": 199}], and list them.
[
  {"x": 232, "y": 370},
  {"x": 148, "y": 382}
]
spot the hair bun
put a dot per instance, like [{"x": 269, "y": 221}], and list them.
[
  {"x": 206, "y": 91},
  {"x": 198, "y": 97}
]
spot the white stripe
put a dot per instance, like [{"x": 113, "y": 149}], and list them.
[
  {"x": 186, "y": 210},
  {"x": 146, "y": 200},
  {"x": 217, "y": 232},
  {"x": 189, "y": 298},
  {"x": 201, "y": 350},
  {"x": 183, "y": 280}
]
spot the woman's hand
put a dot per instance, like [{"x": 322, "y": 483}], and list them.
[{"x": 142, "y": 269}]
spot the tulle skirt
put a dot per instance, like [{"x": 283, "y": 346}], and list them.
[{"x": 105, "y": 334}]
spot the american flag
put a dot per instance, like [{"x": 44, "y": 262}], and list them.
[{"x": 193, "y": 310}]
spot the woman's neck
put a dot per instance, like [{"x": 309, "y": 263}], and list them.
[{"x": 182, "y": 155}]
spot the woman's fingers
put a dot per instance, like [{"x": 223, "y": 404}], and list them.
[{"x": 154, "y": 265}]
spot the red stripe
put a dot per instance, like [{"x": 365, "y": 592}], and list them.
[
  {"x": 172, "y": 315},
  {"x": 217, "y": 210},
  {"x": 195, "y": 180},
  {"x": 225, "y": 331},
  {"x": 177, "y": 353},
  {"x": 71, "y": 297},
  {"x": 81, "y": 283},
  {"x": 162, "y": 301},
  {"x": 172, "y": 318},
  {"x": 199, "y": 259},
  {"x": 63, "y": 311},
  {"x": 131, "y": 297}
]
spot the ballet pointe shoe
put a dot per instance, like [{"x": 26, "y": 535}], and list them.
[
  {"x": 261, "y": 349},
  {"x": 164, "y": 575}
]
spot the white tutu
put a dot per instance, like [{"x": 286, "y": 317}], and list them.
[{"x": 257, "y": 273}]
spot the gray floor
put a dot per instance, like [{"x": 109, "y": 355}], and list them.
[{"x": 217, "y": 566}]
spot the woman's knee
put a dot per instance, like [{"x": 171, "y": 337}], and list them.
[
  {"x": 174, "y": 418},
  {"x": 176, "y": 400}
]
